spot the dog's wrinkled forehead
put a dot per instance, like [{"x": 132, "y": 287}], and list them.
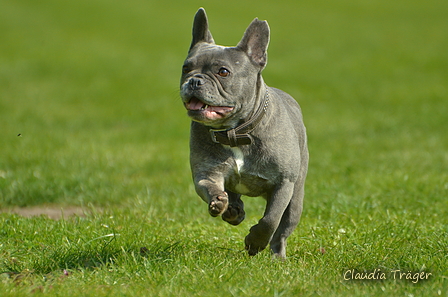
[{"x": 210, "y": 54}]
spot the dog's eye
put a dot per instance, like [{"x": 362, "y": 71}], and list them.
[
  {"x": 185, "y": 69},
  {"x": 223, "y": 72}
]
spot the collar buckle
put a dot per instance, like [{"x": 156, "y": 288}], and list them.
[{"x": 213, "y": 133}]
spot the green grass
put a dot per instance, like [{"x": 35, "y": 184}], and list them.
[{"x": 92, "y": 87}]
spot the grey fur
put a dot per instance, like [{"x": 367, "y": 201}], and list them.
[{"x": 274, "y": 166}]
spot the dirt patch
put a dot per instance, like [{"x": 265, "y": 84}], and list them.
[{"x": 53, "y": 212}]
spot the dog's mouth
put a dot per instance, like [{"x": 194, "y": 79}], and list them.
[{"x": 196, "y": 108}]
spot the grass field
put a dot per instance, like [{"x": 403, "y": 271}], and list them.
[{"x": 90, "y": 118}]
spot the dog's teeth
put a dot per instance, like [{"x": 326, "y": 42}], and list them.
[{"x": 204, "y": 107}]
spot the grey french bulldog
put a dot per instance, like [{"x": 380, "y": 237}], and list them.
[{"x": 246, "y": 138}]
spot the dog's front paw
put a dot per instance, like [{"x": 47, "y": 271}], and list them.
[
  {"x": 234, "y": 214},
  {"x": 218, "y": 204},
  {"x": 256, "y": 240}
]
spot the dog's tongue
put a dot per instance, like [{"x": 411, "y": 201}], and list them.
[
  {"x": 195, "y": 104},
  {"x": 219, "y": 109}
]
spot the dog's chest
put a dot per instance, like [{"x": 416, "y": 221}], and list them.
[
  {"x": 243, "y": 179},
  {"x": 239, "y": 159}
]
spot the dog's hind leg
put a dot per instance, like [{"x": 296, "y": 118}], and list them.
[
  {"x": 288, "y": 223},
  {"x": 234, "y": 214},
  {"x": 261, "y": 234}
]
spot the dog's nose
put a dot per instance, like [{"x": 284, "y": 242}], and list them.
[{"x": 195, "y": 83}]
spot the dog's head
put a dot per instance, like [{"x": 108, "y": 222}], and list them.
[{"x": 219, "y": 84}]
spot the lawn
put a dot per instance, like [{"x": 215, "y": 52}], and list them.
[{"x": 91, "y": 120}]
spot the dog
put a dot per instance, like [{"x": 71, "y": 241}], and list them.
[{"x": 246, "y": 138}]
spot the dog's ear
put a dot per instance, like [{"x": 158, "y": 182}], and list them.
[
  {"x": 255, "y": 42},
  {"x": 201, "y": 33}
]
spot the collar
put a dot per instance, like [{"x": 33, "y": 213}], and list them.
[{"x": 240, "y": 135}]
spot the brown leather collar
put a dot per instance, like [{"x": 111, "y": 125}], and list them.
[{"x": 240, "y": 135}]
